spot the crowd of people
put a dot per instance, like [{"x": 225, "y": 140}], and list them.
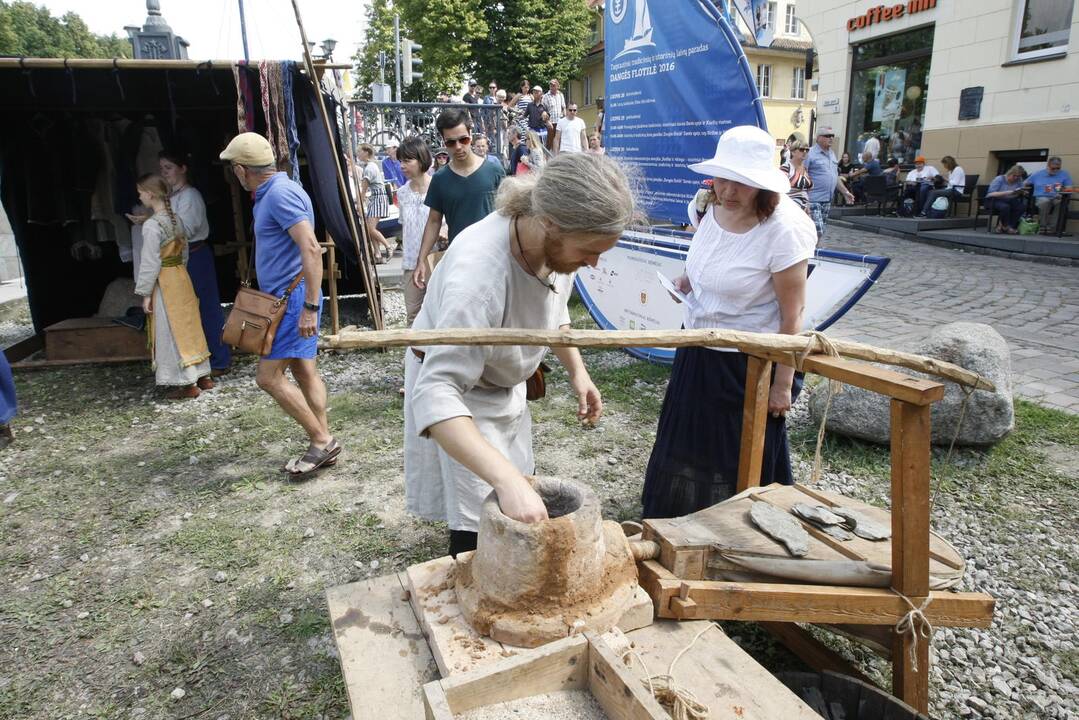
[{"x": 817, "y": 179}]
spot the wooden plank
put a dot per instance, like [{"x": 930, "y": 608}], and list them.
[
  {"x": 455, "y": 646},
  {"x": 435, "y": 704},
  {"x": 617, "y": 689},
  {"x": 771, "y": 346},
  {"x": 886, "y": 382},
  {"x": 25, "y": 348},
  {"x": 910, "y": 544},
  {"x": 754, "y": 422},
  {"x": 783, "y": 602},
  {"x": 717, "y": 670},
  {"x": 660, "y": 585},
  {"x": 47, "y": 364},
  {"x": 812, "y": 651},
  {"x": 384, "y": 658},
  {"x": 685, "y": 561},
  {"x": 560, "y": 665}
]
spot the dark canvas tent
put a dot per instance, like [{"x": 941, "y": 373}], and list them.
[{"x": 53, "y": 159}]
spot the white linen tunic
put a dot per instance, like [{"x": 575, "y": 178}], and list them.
[{"x": 476, "y": 284}]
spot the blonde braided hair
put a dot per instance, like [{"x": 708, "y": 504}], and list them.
[{"x": 158, "y": 188}]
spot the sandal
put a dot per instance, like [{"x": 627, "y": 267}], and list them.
[
  {"x": 314, "y": 459},
  {"x": 183, "y": 392}
]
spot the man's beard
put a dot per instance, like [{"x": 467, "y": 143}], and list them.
[{"x": 551, "y": 246}]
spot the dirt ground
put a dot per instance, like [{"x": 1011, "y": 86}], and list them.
[{"x": 156, "y": 564}]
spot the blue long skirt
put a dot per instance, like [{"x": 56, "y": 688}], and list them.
[
  {"x": 694, "y": 463},
  {"x": 7, "y": 392},
  {"x": 200, "y": 266}
]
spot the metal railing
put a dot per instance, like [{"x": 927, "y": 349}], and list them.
[{"x": 379, "y": 122}]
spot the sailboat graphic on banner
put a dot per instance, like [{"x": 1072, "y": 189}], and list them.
[{"x": 642, "y": 28}]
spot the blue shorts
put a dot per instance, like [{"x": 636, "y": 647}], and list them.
[{"x": 287, "y": 343}]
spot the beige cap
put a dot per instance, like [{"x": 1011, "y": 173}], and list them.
[{"x": 249, "y": 149}]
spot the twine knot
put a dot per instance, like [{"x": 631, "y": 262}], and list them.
[{"x": 917, "y": 624}]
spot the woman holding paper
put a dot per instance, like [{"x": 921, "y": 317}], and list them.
[{"x": 746, "y": 270}]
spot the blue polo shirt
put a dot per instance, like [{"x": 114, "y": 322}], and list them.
[
  {"x": 823, "y": 169},
  {"x": 391, "y": 170},
  {"x": 1042, "y": 178},
  {"x": 280, "y": 203}
]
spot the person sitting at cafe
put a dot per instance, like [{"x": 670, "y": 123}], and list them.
[
  {"x": 1007, "y": 198},
  {"x": 1047, "y": 185},
  {"x": 953, "y": 189},
  {"x": 870, "y": 168},
  {"x": 919, "y": 181}
]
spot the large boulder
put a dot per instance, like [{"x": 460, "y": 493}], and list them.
[{"x": 988, "y": 418}]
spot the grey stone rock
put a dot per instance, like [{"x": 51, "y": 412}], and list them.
[{"x": 988, "y": 418}]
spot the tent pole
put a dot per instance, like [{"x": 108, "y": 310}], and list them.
[{"x": 370, "y": 278}]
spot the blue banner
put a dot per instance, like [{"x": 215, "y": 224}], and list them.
[{"x": 676, "y": 79}]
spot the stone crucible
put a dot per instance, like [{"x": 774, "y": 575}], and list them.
[{"x": 530, "y": 583}]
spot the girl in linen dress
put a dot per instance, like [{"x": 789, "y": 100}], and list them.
[
  {"x": 180, "y": 356},
  {"x": 746, "y": 269}
]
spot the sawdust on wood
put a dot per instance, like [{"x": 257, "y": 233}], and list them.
[{"x": 559, "y": 705}]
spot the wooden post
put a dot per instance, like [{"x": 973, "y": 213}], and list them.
[
  {"x": 370, "y": 277},
  {"x": 754, "y": 422},
  {"x": 910, "y": 543},
  {"x": 331, "y": 279}
]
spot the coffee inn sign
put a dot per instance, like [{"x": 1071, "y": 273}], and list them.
[{"x": 885, "y": 13}]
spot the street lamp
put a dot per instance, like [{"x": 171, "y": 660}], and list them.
[{"x": 327, "y": 48}]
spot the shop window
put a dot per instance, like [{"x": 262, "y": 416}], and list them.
[
  {"x": 798, "y": 83},
  {"x": 888, "y": 92},
  {"x": 770, "y": 19},
  {"x": 1042, "y": 27},
  {"x": 790, "y": 26},
  {"x": 764, "y": 80}
]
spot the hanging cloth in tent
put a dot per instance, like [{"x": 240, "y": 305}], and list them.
[
  {"x": 271, "y": 80},
  {"x": 245, "y": 101},
  {"x": 288, "y": 70}
]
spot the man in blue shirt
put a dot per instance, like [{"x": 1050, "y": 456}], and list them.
[
  {"x": 288, "y": 263},
  {"x": 391, "y": 166},
  {"x": 1047, "y": 184},
  {"x": 823, "y": 168}
]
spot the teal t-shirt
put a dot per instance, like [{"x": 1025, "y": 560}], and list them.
[{"x": 464, "y": 200}]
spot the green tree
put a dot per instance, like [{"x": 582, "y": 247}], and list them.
[
  {"x": 378, "y": 36},
  {"x": 534, "y": 39},
  {"x": 32, "y": 31},
  {"x": 450, "y": 32}
]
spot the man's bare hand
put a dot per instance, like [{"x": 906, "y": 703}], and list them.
[{"x": 308, "y": 323}]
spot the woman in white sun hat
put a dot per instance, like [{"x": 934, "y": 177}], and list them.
[{"x": 746, "y": 270}]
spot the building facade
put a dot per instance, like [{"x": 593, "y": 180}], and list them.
[
  {"x": 780, "y": 70},
  {"x": 992, "y": 83}
]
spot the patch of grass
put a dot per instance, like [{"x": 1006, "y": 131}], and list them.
[
  {"x": 223, "y": 543},
  {"x": 307, "y": 623}
]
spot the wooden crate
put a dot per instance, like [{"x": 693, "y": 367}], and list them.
[{"x": 92, "y": 340}]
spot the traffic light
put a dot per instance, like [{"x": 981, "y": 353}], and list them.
[{"x": 409, "y": 62}]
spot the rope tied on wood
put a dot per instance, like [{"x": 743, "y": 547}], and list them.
[
  {"x": 818, "y": 341},
  {"x": 680, "y": 702},
  {"x": 917, "y": 624}
]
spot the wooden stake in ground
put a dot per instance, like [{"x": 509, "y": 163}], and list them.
[{"x": 786, "y": 349}]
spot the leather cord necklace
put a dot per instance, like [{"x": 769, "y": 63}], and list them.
[{"x": 517, "y": 234}]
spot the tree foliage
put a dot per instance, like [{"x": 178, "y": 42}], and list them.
[
  {"x": 447, "y": 30},
  {"x": 534, "y": 39},
  {"x": 32, "y": 31}
]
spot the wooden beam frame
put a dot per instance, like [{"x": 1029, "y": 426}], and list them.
[
  {"x": 789, "y": 602},
  {"x": 754, "y": 422}
]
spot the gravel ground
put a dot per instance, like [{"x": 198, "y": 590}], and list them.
[{"x": 150, "y": 547}]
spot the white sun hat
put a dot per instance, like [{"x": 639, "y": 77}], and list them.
[{"x": 746, "y": 154}]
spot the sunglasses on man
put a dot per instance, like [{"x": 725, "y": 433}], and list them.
[
  {"x": 571, "y": 109},
  {"x": 463, "y": 140}
]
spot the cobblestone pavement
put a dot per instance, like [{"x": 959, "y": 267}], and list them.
[{"x": 1033, "y": 305}]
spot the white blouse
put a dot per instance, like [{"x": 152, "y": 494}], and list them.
[
  {"x": 413, "y": 220},
  {"x": 731, "y": 273}
]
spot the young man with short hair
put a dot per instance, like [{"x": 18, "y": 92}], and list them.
[
  {"x": 569, "y": 135},
  {"x": 463, "y": 192}
]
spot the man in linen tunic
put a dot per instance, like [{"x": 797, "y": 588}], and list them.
[{"x": 477, "y": 284}]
